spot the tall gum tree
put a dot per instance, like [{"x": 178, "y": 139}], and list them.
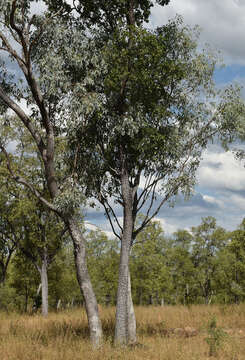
[
  {"x": 156, "y": 112},
  {"x": 106, "y": 16},
  {"x": 142, "y": 143},
  {"x": 21, "y": 35}
]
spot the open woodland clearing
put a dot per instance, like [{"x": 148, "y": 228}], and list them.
[
  {"x": 65, "y": 335},
  {"x": 100, "y": 110}
]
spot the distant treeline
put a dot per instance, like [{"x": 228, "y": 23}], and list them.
[{"x": 203, "y": 265}]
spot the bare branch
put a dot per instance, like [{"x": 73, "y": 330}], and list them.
[{"x": 108, "y": 210}]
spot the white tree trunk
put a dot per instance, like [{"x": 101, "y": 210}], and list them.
[
  {"x": 85, "y": 283},
  {"x": 121, "y": 328},
  {"x": 132, "y": 339},
  {"x": 44, "y": 282},
  {"x": 125, "y": 330}
]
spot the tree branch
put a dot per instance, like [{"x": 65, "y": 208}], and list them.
[
  {"x": 24, "y": 118},
  {"x": 22, "y": 181}
]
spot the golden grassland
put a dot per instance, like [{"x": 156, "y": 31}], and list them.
[{"x": 64, "y": 335}]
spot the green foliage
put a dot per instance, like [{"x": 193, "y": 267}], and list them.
[
  {"x": 63, "y": 281},
  {"x": 216, "y": 337},
  {"x": 24, "y": 282},
  {"x": 163, "y": 269},
  {"x": 151, "y": 280},
  {"x": 151, "y": 114},
  {"x": 209, "y": 240},
  {"x": 106, "y": 14},
  {"x": 236, "y": 252},
  {"x": 103, "y": 261}
]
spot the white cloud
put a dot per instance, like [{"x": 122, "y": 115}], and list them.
[
  {"x": 167, "y": 227},
  {"x": 222, "y": 23},
  {"x": 221, "y": 170},
  {"x": 238, "y": 201},
  {"x": 213, "y": 200},
  {"x": 93, "y": 227}
]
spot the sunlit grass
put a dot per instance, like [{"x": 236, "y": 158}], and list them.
[{"x": 64, "y": 335}]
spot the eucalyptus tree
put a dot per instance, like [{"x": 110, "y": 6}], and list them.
[
  {"x": 183, "y": 273},
  {"x": 37, "y": 98},
  {"x": 26, "y": 224},
  {"x": 208, "y": 241},
  {"x": 151, "y": 274},
  {"x": 103, "y": 260},
  {"x": 236, "y": 251},
  {"x": 110, "y": 19},
  {"x": 142, "y": 142},
  {"x": 41, "y": 239},
  {"x": 7, "y": 235}
]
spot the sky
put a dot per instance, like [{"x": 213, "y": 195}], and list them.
[{"x": 220, "y": 189}]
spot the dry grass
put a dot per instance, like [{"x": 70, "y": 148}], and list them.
[{"x": 64, "y": 336}]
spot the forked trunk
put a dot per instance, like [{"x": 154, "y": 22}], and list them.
[{"x": 85, "y": 283}]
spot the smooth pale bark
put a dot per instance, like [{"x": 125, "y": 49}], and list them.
[
  {"x": 44, "y": 281},
  {"x": 58, "y": 304},
  {"x": 132, "y": 339},
  {"x": 125, "y": 329},
  {"x": 121, "y": 328},
  {"x": 85, "y": 282},
  {"x": 43, "y": 271}
]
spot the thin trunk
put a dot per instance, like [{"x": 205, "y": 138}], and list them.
[
  {"x": 39, "y": 289},
  {"x": 26, "y": 299},
  {"x": 44, "y": 281},
  {"x": 58, "y": 304},
  {"x": 85, "y": 282}
]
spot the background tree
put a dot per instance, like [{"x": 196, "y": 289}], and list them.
[
  {"x": 183, "y": 272},
  {"x": 7, "y": 241},
  {"x": 151, "y": 274},
  {"x": 36, "y": 232},
  {"x": 42, "y": 238},
  {"x": 236, "y": 272},
  {"x": 24, "y": 280},
  {"x": 103, "y": 260},
  {"x": 63, "y": 292},
  {"x": 208, "y": 241}
]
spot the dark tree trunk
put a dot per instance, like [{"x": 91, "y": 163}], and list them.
[{"x": 85, "y": 282}]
